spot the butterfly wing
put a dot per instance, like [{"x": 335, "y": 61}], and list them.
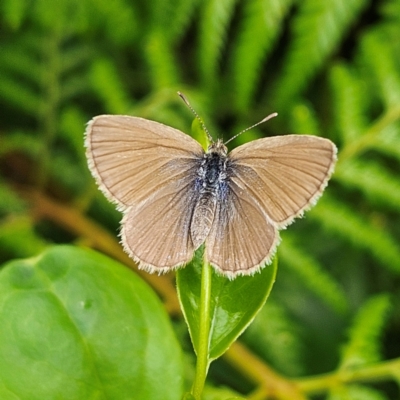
[
  {"x": 148, "y": 170},
  {"x": 285, "y": 174},
  {"x": 271, "y": 181},
  {"x": 241, "y": 239},
  {"x": 156, "y": 233}
]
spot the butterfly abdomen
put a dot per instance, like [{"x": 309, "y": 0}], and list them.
[{"x": 211, "y": 188}]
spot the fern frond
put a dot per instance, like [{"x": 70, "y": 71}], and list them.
[
  {"x": 106, "y": 82},
  {"x": 25, "y": 142},
  {"x": 160, "y": 59},
  {"x": 75, "y": 57},
  {"x": 390, "y": 12},
  {"x": 181, "y": 12},
  {"x": 355, "y": 392},
  {"x": 312, "y": 275},
  {"x": 337, "y": 217},
  {"x": 275, "y": 336},
  {"x": 74, "y": 86},
  {"x": 68, "y": 173},
  {"x": 349, "y": 94},
  {"x": 73, "y": 60},
  {"x": 372, "y": 179},
  {"x": 365, "y": 333},
  {"x": 21, "y": 73},
  {"x": 378, "y": 56},
  {"x": 259, "y": 28},
  {"x": 214, "y": 20},
  {"x": 13, "y": 12},
  {"x": 72, "y": 123},
  {"x": 19, "y": 96},
  {"x": 389, "y": 141},
  {"x": 71, "y": 15},
  {"x": 119, "y": 19},
  {"x": 21, "y": 60},
  {"x": 318, "y": 28},
  {"x": 303, "y": 119}
]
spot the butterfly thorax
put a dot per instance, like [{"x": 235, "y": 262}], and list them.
[{"x": 211, "y": 188}]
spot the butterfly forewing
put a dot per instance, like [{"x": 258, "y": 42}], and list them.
[
  {"x": 128, "y": 156},
  {"x": 148, "y": 169},
  {"x": 284, "y": 174}
]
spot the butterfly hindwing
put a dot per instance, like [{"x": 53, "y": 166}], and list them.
[
  {"x": 156, "y": 233},
  {"x": 242, "y": 239}
]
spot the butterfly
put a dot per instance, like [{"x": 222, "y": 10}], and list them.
[{"x": 175, "y": 196}]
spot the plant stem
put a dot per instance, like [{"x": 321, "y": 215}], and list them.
[
  {"x": 368, "y": 373},
  {"x": 203, "y": 360}
]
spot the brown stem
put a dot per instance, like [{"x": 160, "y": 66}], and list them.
[{"x": 271, "y": 384}]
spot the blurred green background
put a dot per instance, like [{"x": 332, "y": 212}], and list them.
[{"x": 329, "y": 68}]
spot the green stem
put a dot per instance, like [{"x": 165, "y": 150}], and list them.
[
  {"x": 203, "y": 360},
  {"x": 368, "y": 374}
]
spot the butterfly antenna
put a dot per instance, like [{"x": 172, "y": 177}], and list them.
[
  {"x": 186, "y": 101},
  {"x": 270, "y": 116}
]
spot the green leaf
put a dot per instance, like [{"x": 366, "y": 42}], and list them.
[
  {"x": 220, "y": 393},
  {"x": 234, "y": 303},
  {"x": 78, "y": 325},
  {"x": 200, "y": 134}
]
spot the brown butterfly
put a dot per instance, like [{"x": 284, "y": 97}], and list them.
[{"x": 175, "y": 196}]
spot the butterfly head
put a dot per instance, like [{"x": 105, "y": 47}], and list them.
[{"x": 218, "y": 147}]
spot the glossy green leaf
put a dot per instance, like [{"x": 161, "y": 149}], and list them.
[
  {"x": 220, "y": 393},
  {"x": 78, "y": 325},
  {"x": 234, "y": 303}
]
